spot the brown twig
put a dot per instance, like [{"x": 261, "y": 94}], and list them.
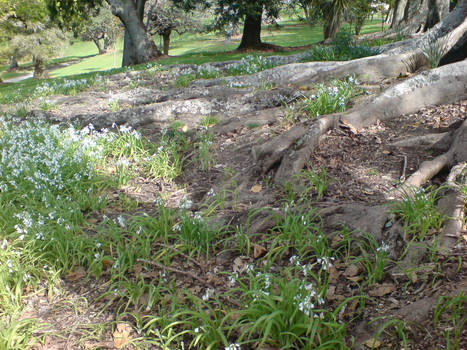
[
  {"x": 404, "y": 168},
  {"x": 186, "y": 256},
  {"x": 171, "y": 269}
]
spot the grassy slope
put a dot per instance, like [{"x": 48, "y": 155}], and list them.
[{"x": 187, "y": 48}]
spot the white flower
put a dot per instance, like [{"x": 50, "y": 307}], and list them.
[
  {"x": 208, "y": 294},
  {"x": 4, "y": 244},
  {"x": 185, "y": 203},
  {"x": 384, "y": 247},
  {"x": 233, "y": 347},
  {"x": 121, "y": 221}
]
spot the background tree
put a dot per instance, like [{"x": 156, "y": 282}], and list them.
[
  {"x": 358, "y": 12},
  {"x": 102, "y": 28},
  {"x": 138, "y": 46},
  {"x": 29, "y": 34},
  {"x": 250, "y": 12},
  {"x": 163, "y": 17},
  {"x": 39, "y": 46}
]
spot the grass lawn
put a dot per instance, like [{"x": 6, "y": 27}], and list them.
[
  {"x": 187, "y": 48},
  {"x": 210, "y": 47}
]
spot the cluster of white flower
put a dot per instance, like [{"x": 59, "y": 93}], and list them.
[
  {"x": 184, "y": 203},
  {"x": 383, "y": 248},
  {"x": 208, "y": 294},
  {"x": 306, "y": 297},
  {"x": 325, "y": 262},
  {"x": 57, "y": 86},
  {"x": 235, "y": 346},
  {"x": 251, "y": 64}
]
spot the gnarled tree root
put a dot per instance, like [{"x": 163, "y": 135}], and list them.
[
  {"x": 457, "y": 153},
  {"x": 292, "y": 149}
]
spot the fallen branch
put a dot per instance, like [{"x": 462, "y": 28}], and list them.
[{"x": 171, "y": 269}]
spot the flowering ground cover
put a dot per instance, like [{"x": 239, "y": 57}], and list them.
[{"x": 126, "y": 221}]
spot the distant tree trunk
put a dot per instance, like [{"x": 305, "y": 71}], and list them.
[
  {"x": 306, "y": 11},
  {"x": 138, "y": 46},
  {"x": 166, "y": 38},
  {"x": 39, "y": 71},
  {"x": 359, "y": 24},
  {"x": 13, "y": 63},
  {"x": 108, "y": 42},
  {"x": 99, "y": 46},
  {"x": 251, "y": 38},
  {"x": 332, "y": 22}
]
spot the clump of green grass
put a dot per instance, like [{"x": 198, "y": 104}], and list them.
[
  {"x": 208, "y": 121},
  {"x": 451, "y": 311},
  {"x": 343, "y": 48},
  {"x": 130, "y": 151},
  {"x": 287, "y": 311},
  {"x": 331, "y": 98},
  {"x": 205, "y": 156},
  {"x": 434, "y": 49},
  {"x": 251, "y": 64},
  {"x": 419, "y": 213}
]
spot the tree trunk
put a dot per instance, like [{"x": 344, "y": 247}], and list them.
[
  {"x": 166, "y": 37},
  {"x": 138, "y": 46},
  {"x": 418, "y": 15},
  {"x": 108, "y": 42},
  {"x": 398, "y": 13},
  {"x": 437, "y": 9},
  {"x": 13, "y": 64},
  {"x": 99, "y": 46},
  {"x": 331, "y": 22},
  {"x": 251, "y": 38},
  {"x": 359, "y": 24},
  {"x": 39, "y": 71},
  {"x": 306, "y": 11}
]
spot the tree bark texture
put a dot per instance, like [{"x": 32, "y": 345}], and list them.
[
  {"x": 166, "y": 38},
  {"x": 13, "y": 64},
  {"x": 99, "y": 46},
  {"x": 416, "y": 16},
  {"x": 251, "y": 37},
  {"x": 39, "y": 71},
  {"x": 332, "y": 21},
  {"x": 138, "y": 46}
]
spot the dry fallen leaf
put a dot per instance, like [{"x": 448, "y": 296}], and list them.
[
  {"x": 373, "y": 343},
  {"x": 351, "y": 270},
  {"x": 76, "y": 274},
  {"x": 382, "y": 289},
  {"x": 256, "y": 188},
  {"x": 121, "y": 335},
  {"x": 333, "y": 274},
  {"x": 238, "y": 265},
  {"x": 258, "y": 251},
  {"x": 137, "y": 268},
  {"x": 354, "y": 278}
]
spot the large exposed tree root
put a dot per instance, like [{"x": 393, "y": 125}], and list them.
[
  {"x": 457, "y": 154},
  {"x": 292, "y": 149}
]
